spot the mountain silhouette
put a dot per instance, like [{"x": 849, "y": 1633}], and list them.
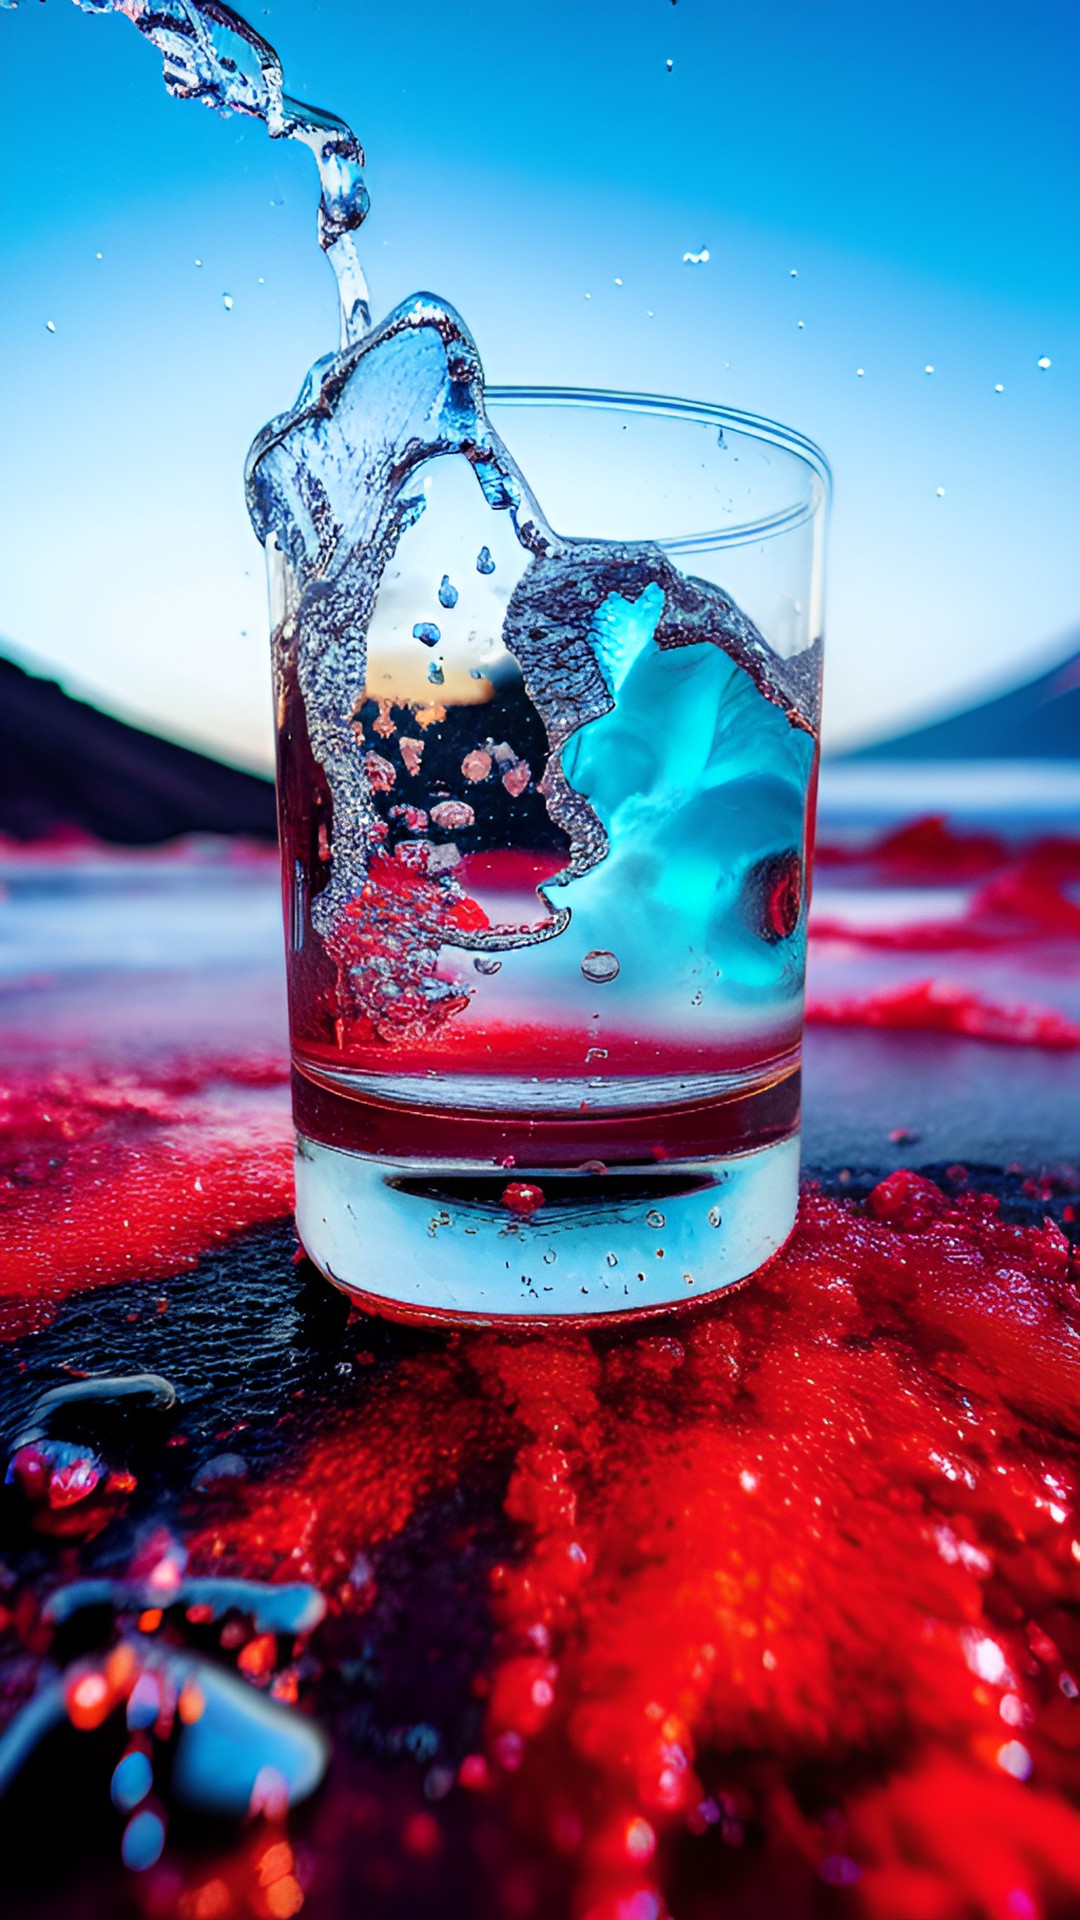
[
  {"x": 1039, "y": 720},
  {"x": 65, "y": 765}
]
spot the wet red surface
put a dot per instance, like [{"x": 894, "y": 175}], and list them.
[{"x": 768, "y": 1609}]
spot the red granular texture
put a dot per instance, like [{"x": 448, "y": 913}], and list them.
[
  {"x": 779, "y": 1567},
  {"x": 940, "y": 1006},
  {"x": 1024, "y": 903},
  {"x": 107, "y": 1178}
]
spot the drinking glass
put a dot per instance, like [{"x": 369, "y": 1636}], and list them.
[{"x": 532, "y": 1082}]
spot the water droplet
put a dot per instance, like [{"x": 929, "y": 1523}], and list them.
[
  {"x": 612, "y": 1259},
  {"x": 999, "y": 388},
  {"x": 484, "y": 561},
  {"x": 794, "y": 273},
  {"x": 131, "y": 1782},
  {"x": 435, "y": 674},
  {"x": 226, "y": 301},
  {"x": 940, "y": 491},
  {"x": 859, "y": 372},
  {"x": 801, "y": 325},
  {"x": 99, "y": 256},
  {"x": 696, "y": 259},
  {"x": 714, "y": 1216},
  {"x": 428, "y": 632},
  {"x": 50, "y": 326},
  {"x": 654, "y": 1218},
  {"x": 928, "y": 369},
  {"x": 670, "y": 65},
  {"x": 198, "y": 263},
  {"x": 1043, "y": 364},
  {"x": 448, "y": 595},
  {"x": 550, "y": 1257},
  {"x": 144, "y": 1838},
  {"x": 696, "y": 998},
  {"x": 486, "y": 963},
  {"x": 618, "y": 282},
  {"x": 599, "y": 965}
]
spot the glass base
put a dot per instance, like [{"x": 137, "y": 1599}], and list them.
[{"x": 427, "y": 1240}]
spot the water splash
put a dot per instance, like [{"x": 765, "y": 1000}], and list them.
[{"x": 210, "y": 54}]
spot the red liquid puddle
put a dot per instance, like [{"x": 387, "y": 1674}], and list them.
[
  {"x": 106, "y": 1178},
  {"x": 795, "y": 1578}
]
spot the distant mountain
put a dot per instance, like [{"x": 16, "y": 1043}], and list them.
[
  {"x": 1037, "y": 721},
  {"x": 64, "y": 764}
]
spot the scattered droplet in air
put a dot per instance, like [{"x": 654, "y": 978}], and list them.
[
  {"x": 1043, "y": 364},
  {"x": 800, "y": 324},
  {"x": 428, "y": 632},
  {"x": 132, "y": 1780},
  {"x": 940, "y": 493},
  {"x": 618, "y": 283},
  {"x": 99, "y": 256},
  {"x": 794, "y": 273},
  {"x": 669, "y": 64},
  {"x": 226, "y": 301},
  {"x": 696, "y": 259},
  {"x": 50, "y": 326},
  {"x": 928, "y": 369},
  {"x": 486, "y": 963},
  {"x": 476, "y": 765},
  {"x": 484, "y": 561},
  {"x": 198, "y": 263},
  {"x": 654, "y": 1218},
  {"x": 859, "y": 372},
  {"x": 144, "y": 1838},
  {"x": 435, "y": 674},
  {"x": 448, "y": 595},
  {"x": 999, "y": 388},
  {"x": 714, "y": 1216},
  {"x": 599, "y": 965}
]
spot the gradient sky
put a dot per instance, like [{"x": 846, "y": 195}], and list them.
[{"x": 916, "y": 161}]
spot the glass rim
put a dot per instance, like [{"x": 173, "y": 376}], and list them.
[{"x": 706, "y": 412}]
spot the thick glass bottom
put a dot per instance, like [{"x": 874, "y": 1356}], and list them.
[{"x": 442, "y": 1240}]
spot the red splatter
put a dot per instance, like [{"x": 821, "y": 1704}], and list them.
[
  {"x": 522, "y": 1198},
  {"x": 106, "y": 1178},
  {"x": 800, "y": 1565},
  {"x": 939, "y": 1006}
]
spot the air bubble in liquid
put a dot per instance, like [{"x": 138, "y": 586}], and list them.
[
  {"x": 599, "y": 965},
  {"x": 654, "y": 1219},
  {"x": 486, "y": 963}
]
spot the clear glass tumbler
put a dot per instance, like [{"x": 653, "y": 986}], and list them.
[{"x": 546, "y": 1041}]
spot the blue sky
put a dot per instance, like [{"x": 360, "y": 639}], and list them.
[{"x": 917, "y": 163}]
